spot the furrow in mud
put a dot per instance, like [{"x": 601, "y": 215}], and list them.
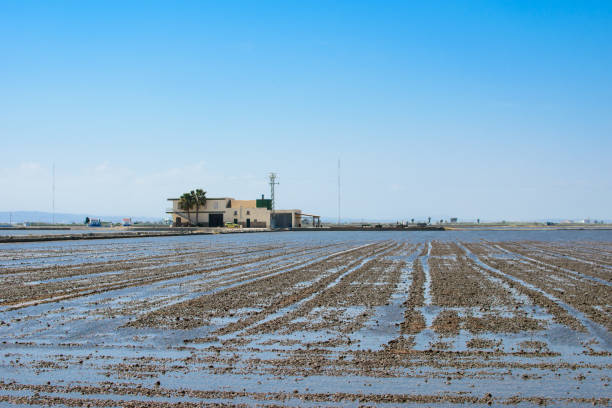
[
  {"x": 472, "y": 301},
  {"x": 563, "y": 312},
  {"x": 243, "y": 300},
  {"x": 307, "y": 319},
  {"x": 563, "y": 263},
  {"x": 592, "y": 253},
  {"x": 588, "y": 296},
  {"x": 23, "y": 292},
  {"x": 161, "y": 397},
  {"x": 342, "y": 302}
]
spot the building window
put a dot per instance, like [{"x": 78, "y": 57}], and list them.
[
  {"x": 248, "y": 213},
  {"x": 216, "y": 205},
  {"x": 235, "y": 212}
]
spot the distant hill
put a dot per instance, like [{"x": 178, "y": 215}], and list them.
[{"x": 65, "y": 218}]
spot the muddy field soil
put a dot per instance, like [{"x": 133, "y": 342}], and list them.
[{"x": 308, "y": 319}]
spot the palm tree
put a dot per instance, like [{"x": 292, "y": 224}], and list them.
[
  {"x": 186, "y": 202},
  {"x": 199, "y": 199}
]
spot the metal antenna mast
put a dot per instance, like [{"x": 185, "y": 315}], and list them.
[
  {"x": 273, "y": 182},
  {"x": 339, "y": 191},
  {"x": 53, "y": 194}
]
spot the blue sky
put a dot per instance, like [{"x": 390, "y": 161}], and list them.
[{"x": 496, "y": 110}]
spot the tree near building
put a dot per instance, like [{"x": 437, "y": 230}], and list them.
[
  {"x": 199, "y": 199},
  {"x": 186, "y": 202}
]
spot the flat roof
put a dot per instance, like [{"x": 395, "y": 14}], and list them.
[{"x": 207, "y": 198}]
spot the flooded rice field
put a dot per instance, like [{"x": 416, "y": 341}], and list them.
[
  {"x": 309, "y": 319},
  {"x": 31, "y": 231}
]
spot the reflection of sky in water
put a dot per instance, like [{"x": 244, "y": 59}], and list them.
[{"x": 91, "y": 328}]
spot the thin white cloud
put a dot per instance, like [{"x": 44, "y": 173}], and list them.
[
  {"x": 102, "y": 167},
  {"x": 30, "y": 166}
]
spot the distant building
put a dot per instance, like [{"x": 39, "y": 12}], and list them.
[
  {"x": 95, "y": 222},
  {"x": 244, "y": 213},
  {"x": 454, "y": 219}
]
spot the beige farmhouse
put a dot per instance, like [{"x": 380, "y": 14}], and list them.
[{"x": 245, "y": 213}]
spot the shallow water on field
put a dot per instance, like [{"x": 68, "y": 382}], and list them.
[{"x": 84, "y": 339}]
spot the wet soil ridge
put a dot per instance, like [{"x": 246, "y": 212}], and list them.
[
  {"x": 265, "y": 293},
  {"x": 584, "y": 287},
  {"x": 343, "y": 301},
  {"x": 120, "y": 235},
  {"x": 162, "y": 397},
  {"x": 56, "y": 282},
  {"x": 338, "y": 319},
  {"x": 473, "y": 300},
  {"x": 414, "y": 321},
  {"x": 578, "y": 310}
]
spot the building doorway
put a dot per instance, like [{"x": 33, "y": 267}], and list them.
[
  {"x": 282, "y": 220},
  {"x": 215, "y": 220},
  {"x": 248, "y": 223}
]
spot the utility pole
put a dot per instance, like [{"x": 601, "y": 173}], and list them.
[
  {"x": 53, "y": 194},
  {"x": 273, "y": 182},
  {"x": 339, "y": 192}
]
